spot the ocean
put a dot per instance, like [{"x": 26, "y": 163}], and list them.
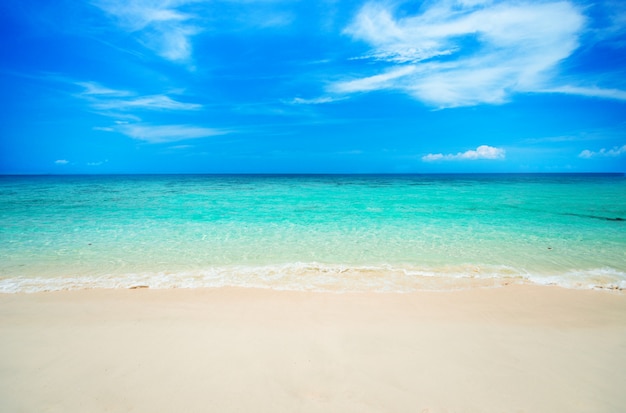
[{"x": 338, "y": 233}]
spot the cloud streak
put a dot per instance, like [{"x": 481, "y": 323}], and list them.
[
  {"x": 482, "y": 152},
  {"x": 166, "y": 133},
  {"x": 590, "y": 92},
  {"x": 463, "y": 53}
]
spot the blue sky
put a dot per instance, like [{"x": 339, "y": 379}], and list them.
[{"x": 328, "y": 86}]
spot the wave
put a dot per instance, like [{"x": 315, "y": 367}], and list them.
[{"x": 325, "y": 278}]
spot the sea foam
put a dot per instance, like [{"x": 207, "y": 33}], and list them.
[{"x": 325, "y": 278}]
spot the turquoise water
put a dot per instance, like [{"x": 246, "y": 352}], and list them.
[{"x": 330, "y": 233}]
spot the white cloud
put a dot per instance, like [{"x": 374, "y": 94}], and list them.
[
  {"x": 166, "y": 133},
  {"x": 61, "y": 162},
  {"x": 161, "y": 25},
  {"x": 612, "y": 153},
  {"x": 482, "y": 152},
  {"x": 462, "y": 53}
]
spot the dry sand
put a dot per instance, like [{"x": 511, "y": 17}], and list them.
[{"x": 511, "y": 349}]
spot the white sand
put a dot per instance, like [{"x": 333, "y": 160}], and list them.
[{"x": 511, "y": 349}]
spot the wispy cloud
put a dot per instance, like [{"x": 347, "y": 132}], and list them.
[
  {"x": 555, "y": 139},
  {"x": 104, "y": 98},
  {"x": 589, "y": 91},
  {"x": 96, "y": 89},
  {"x": 152, "y": 102},
  {"x": 605, "y": 134},
  {"x": 612, "y": 15},
  {"x": 602, "y": 153},
  {"x": 468, "y": 52},
  {"x": 61, "y": 162},
  {"x": 482, "y": 152},
  {"x": 98, "y": 163},
  {"x": 166, "y": 133},
  {"x": 315, "y": 101},
  {"x": 161, "y": 26},
  {"x": 117, "y": 104},
  {"x": 104, "y": 128},
  {"x": 386, "y": 80},
  {"x": 264, "y": 17}
]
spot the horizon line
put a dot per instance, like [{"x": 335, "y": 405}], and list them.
[{"x": 305, "y": 174}]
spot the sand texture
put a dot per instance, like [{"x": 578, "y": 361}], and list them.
[{"x": 511, "y": 349}]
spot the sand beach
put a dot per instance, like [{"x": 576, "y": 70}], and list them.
[{"x": 511, "y": 349}]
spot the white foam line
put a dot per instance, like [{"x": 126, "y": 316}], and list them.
[{"x": 326, "y": 278}]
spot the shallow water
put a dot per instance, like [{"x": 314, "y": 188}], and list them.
[{"x": 337, "y": 233}]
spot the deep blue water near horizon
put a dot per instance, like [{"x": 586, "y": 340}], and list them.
[{"x": 312, "y": 232}]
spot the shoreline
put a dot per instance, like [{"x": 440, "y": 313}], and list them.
[
  {"x": 509, "y": 349},
  {"x": 325, "y": 278}
]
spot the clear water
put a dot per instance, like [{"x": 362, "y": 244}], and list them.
[{"x": 330, "y": 233}]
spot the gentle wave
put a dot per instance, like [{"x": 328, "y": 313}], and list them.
[{"x": 325, "y": 278}]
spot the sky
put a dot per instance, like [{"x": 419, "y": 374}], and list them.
[{"x": 304, "y": 86}]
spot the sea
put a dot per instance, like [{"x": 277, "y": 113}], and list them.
[{"x": 335, "y": 233}]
